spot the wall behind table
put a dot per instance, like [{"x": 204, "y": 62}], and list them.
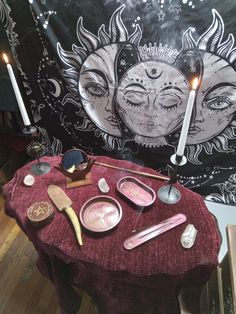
[{"x": 113, "y": 78}]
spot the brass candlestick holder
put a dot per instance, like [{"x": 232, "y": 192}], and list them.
[{"x": 169, "y": 194}]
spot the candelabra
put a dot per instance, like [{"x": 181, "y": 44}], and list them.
[{"x": 169, "y": 194}]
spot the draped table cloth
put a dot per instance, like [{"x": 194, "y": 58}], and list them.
[{"x": 146, "y": 279}]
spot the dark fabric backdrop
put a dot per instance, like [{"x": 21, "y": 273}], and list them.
[{"x": 113, "y": 78}]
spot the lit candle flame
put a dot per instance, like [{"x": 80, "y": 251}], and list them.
[
  {"x": 16, "y": 89},
  {"x": 195, "y": 83},
  {"x": 5, "y": 58}
]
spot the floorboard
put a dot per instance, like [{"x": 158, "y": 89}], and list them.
[{"x": 25, "y": 290}]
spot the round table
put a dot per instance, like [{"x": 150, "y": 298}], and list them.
[{"x": 145, "y": 280}]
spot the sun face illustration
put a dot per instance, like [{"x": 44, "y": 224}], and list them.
[
  {"x": 96, "y": 87},
  {"x": 213, "y": 125}
]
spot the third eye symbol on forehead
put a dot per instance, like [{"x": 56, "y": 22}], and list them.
[{"x": 153, "y": 73}]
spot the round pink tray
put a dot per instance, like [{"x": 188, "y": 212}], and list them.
[{"x": 100, "y": 213}]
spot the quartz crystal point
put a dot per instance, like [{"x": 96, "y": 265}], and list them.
[
  {"x": 103, "y": 186},
  {"x": 188, "y": 237}
]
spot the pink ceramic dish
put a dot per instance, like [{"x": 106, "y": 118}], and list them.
[
  {"x": 100, "y": 213},
  {"x": 135, "y": 191}
]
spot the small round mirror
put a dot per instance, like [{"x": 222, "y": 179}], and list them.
[
  {"x": 75, "y": 166},
  {"x": 74, "y": 160}
]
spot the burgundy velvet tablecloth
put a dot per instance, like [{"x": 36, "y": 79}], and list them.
[{"x": 145, "y": 280}]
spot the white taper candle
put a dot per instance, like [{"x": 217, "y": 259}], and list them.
[
  {"x": 19, "y": 99},
  {"x": 187, "y": 118}
]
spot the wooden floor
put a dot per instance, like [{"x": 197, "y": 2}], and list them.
[{"x": 23, "y": 289}]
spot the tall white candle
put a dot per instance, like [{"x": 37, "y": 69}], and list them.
[
  {"x": 19, "y": 99},
  {"x": 187, "y": 118}
]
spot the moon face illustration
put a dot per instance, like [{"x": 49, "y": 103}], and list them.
[
  {"x": 97, "y": 88},
  {"x": 54, "y": 88},
  {"x": 215, "y": 101}
]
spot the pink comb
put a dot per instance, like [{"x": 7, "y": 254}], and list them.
[{"x": 154, "y": 231}]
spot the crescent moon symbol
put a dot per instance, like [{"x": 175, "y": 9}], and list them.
[
  {"x": 153, "y": 76},
  {"x": 57, "y": 86}
]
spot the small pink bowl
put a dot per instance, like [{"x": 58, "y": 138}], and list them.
[
  {"x": 135, "y": 191},
  {"x": 100, "y": 213}
]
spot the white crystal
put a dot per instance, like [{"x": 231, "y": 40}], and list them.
[
  {"x": 188, "y": 237},
  {"x": 29, "y": 180},
  {"x": 103, "y": 186}
]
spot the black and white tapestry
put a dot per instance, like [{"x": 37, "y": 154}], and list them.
[{"x": 112, "y": 77}]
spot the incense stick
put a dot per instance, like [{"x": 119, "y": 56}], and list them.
[
  {"x": 144, "y": 174},
  {"x": 169, "y": 190}
]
